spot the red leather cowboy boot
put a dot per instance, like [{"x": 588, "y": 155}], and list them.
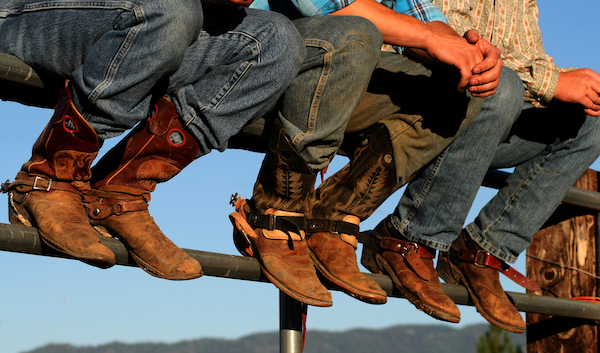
[
  {"x": 410, "y": 266},
  {"x": 341, "y": 202},
  {"x": 466, "y": 263},
  {"x": 155, "y": 151},
  {"x": 270, "y": 226},
  {"x": 47, "y": 193}
]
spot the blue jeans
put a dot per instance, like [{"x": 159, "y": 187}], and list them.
[
  {"x": 549, "y": 148},
  {"x": 114, "y": 52},
  {"x": 342, "y": 52},
  {"x": 120, "y": 55},
  {"x": 241, "y": 64}
]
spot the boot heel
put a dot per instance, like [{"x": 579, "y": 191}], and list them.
[
  {"x": 369, "y": 261},
  {"x": 444, "y": 269}
]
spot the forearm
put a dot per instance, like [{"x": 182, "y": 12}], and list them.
[{"x": 396, "y": 28}]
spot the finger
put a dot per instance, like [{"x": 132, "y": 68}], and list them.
[
  {"x": 593, "y": 112},
  {"x": 482, "y": 89},
  {"x": 472, "y": 36}
]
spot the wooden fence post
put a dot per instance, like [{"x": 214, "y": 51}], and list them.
[{"x": 568, "y": 238}]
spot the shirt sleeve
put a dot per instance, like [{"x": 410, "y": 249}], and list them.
[
  {"x": 312, "y": 8},
  {"x": 538, "y": 71}
]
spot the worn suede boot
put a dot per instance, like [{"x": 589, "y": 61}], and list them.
[
  {"x": 410, "y": 266},
  {"x": 47, "y": 193},
  {"x": 270, "y": 226},
  {"x": 155, "y": 151},
  {"x": 467, "y": 264},
  {"x": 339, "y": 204}
]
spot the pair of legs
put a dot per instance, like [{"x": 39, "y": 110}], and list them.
[
  {"x": 204, "y": 80},
  {"x": 549, "y": 148},
  {"x": 394, "y": 130}
]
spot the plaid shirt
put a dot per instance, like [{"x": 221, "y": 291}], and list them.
[
  {"x": 512, "y": 26},
  {"x": 423, "y": 10}
]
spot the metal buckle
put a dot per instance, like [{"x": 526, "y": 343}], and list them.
[
  {"x": 118, "y": 205},
  {"x": 480, "y": 258},
  {"x": 35, "y": 181}
]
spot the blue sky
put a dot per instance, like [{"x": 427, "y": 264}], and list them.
[{"x": 44, "y": 300}]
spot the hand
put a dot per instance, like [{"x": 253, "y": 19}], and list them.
[
  {"x": 486, "y": 74},
  {"x": 449, "y": 49},
  {"x": 580, "y": 87}
]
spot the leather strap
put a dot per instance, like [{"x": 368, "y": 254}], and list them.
[
  {"x": 26, "y": 182},
  {"x": 481, "y": 258},
  {"x": 331, "y": 226},
  {"x": 106, "y": 208},
  {"x": 272, "y": 222}
]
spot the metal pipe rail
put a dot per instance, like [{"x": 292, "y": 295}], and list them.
[{"x": 26, "y": 240}]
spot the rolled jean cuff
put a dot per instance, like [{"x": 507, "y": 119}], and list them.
[{"x": 475, "y": 234}]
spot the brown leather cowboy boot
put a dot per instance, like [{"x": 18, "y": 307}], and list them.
[
  {"x": 410, "y": 266},
  {"x": 466, "y": 263},
  {"x": 47, "y": 193},
  {"x": 155, "y": 151},
  {"x": 270, "y": 226},
  {"x": 341, "y": 202}
]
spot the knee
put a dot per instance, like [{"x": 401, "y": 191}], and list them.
[
  {"x": 360, "y": 38},
  {"x": 510, "y": 93},
  {"x": 174, "y": 24}
]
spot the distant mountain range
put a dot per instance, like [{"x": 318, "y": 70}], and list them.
[{"x": 397, "y": 339}]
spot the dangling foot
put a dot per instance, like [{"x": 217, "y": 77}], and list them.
[
  {"x": 467, "y": 264},
  {"x": 284, "y": 258},
  {"x": 410, "y": 266}
]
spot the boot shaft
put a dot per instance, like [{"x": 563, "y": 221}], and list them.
[
  {"x": 67, "y": 146},
  {"x": 363, "y": 184},
  {"x": 285, "y": 181},
  {"x": 154, "y": 151}
]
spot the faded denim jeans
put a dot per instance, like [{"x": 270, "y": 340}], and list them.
[
  {"x": 342, "y": 52},
  {"x": 121, "y": 55},
  {"x": 549, "y": 148}
]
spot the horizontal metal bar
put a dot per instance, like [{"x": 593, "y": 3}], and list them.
[
  {"x": 15, "y": 70},
  {"x": 26, "y": 240}
]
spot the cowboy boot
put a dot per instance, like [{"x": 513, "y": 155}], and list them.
[
  {"x": 155, "y": 151},
  {"x": 468, "y": 264},
  {"x": 47, "y": 192},
  {"x": 410, "y": 266},
  {"x": 341, "y": 202},
  {"x": 270, "y": 226}
]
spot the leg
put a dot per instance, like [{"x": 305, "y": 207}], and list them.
[
  {"x": 157, "y": 149},
  {"x": 100, "y": 47},
  {"x": 311, "y": 130},
  {"x": 114, "y": 53},
  {"x": 426, "y": 215}
]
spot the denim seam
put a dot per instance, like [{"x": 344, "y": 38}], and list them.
[
  {"x": 121, "y": 53},
  {"x": 42, "y": 6},
  {"x": 316, "y": 101}
]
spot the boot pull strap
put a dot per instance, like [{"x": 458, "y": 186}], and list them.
[{"x": 484, "y": 259}]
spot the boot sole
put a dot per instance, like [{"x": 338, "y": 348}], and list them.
[
  {"x": 367, "y": 297},
  {"x": 384, "y": 267},
  {"x": 450, "y": 273},
  {"x": 291, "y": 293},
  {"x": 154, "y": 272}
]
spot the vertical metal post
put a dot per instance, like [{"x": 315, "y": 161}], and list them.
[{"x": 291, "y": 328}]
